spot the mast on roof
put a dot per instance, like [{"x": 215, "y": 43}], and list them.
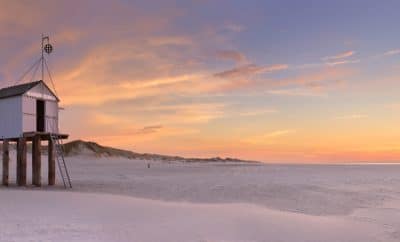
[{"x": 46, "y": 47}]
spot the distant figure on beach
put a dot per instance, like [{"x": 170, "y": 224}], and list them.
[{"x": 148, "y": 165}]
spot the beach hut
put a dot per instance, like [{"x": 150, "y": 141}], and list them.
[
  {"x": 29, "y": 113},
  {"x": 28, "y": 108}
]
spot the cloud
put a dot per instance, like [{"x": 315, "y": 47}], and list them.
[
  {"x": 100, "y": 118},
  {"x": 108, "y": 123},
  {"x": 325, "y": 78},
  {"x": 323, "y": 84},
  {"x": 173, "y": 112},
  {"x": 392, "y": 52},
  {"x": 14, "y": 26},
  {"x": 135, "y": 67},
  {"x": 325, "y": 64},
  {"x": 90, "y": 93},
  {"x": 344, "y": 62},
  {"x": 250, "y": 70},
  {"x": 142, "y": 80},
  {"x": 339, "y": 56},
  {"x": 117, "y": 122},
  {"x": 339, "y": 59},
  {"x": 301, "y": 92},
  {"x": 308, "y": 66},
  {"x": 269, "y": 138},
  {"x": 279, "y": 133},
  {"x": 232, "y": 55},
  {"x": 149, "y": 129},
  {"x": 74, "y": 38},
  {"x": 171, "y": 40},
  {"x": 189, "y": 113},
  {"x": 310, "y": 83}
]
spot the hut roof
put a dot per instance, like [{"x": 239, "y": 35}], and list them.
[{"x": 21, "y": 89}]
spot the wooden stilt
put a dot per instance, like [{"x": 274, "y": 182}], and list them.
[
  {"x": 21, "y": 162},
  {"x": 35, "y": 138},
  {"x": 36, "y": 161},
  {"x": 6, "y": 162},
  {"x": 33, "y": 161},
  {"x": 52, "y": 164}
]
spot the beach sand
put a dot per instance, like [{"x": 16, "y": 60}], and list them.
[{"x": 122, "y": 200}]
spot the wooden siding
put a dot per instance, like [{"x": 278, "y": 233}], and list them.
[
  {"x": 29, "y": 115},
  {"x": 11, "y": 117}
]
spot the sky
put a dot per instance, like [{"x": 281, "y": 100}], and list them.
[{"x": 276, "y": 81}]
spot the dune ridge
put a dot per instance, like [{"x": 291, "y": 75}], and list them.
[{"x": 80, "y": 147}]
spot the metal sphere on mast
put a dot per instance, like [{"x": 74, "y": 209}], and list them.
[{"x": 48, "y": 48}]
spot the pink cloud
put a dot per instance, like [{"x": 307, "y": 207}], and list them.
[{"x": 339, "y": 56}]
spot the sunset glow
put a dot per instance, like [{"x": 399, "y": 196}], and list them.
[{"x": 276, "y": 81}]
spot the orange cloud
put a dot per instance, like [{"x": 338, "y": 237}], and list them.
[{"x": 279, "y": 133}]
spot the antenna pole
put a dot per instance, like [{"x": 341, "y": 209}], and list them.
[
  {"x": 45, "y": 48},
  {"x": 42, "y": 58}
]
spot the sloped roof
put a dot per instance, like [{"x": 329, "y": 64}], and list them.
[{"x": 21, "y": 89}]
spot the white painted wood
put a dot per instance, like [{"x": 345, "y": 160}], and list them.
[
  {"x": 52, "y": 109},
  {"x": 28, "y": 105},
  {"x": 29, "y": 114},
  {"x": 52, "y": 116},
  {"x": 51, "y": 125},
  {"x": 11, "y": 117},
  {"x": 40, "y": 91},
  {"x": 29, "y": 122}
]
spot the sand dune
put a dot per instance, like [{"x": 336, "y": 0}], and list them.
[{"x": 79, "y": 147}]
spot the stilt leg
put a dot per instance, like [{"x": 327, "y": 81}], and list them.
[
  {"x": 21, "y": 162},
  {"x": 52, "y": 163},
  {"x": 6, "y": 162},
  {"x": 36, "y": 161}
]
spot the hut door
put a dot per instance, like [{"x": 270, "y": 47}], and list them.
[{"x": 40, "y": 116}]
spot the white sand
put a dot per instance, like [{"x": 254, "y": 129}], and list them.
[{"x": 207, "y": 202}]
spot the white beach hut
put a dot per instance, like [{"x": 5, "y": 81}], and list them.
[
  {"x": 28, "y": 108},
  {"x": 29, "y": 113}
]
